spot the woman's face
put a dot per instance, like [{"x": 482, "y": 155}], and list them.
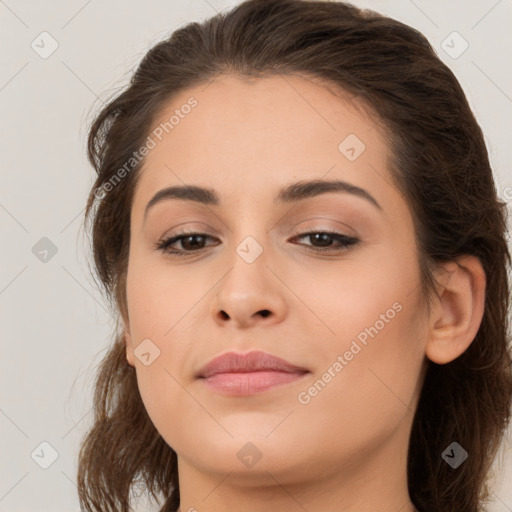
[{"x": 263, "y": 277}]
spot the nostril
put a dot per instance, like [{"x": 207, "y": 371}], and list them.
[{"x": 265, "y": 312}]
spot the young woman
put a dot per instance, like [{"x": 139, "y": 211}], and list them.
[{"x": 296, "y": 219}]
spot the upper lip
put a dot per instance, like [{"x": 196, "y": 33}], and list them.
[{"x": 235, "y": 362}]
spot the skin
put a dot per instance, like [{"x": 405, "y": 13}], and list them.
[{"x": 346, "y": 449}]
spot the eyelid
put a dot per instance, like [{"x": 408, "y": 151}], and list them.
[
  {"x": 191, "y": 228},
  {"x": 306, "y": 224}
]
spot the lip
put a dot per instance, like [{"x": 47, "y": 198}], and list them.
[{"x": 236, "y": 373}]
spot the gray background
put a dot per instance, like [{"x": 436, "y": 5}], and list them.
[{"x": 54, "y": 326}]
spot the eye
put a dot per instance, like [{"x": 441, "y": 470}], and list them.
[
  {"x": 328, "y": 241},
  {"x": 190, "y": 243},
  {"x": 193, "y": 242}
]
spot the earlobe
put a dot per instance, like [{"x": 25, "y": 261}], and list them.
[
  {"x": 128, "y": 347},
  {"x": 458, "y": 310}
]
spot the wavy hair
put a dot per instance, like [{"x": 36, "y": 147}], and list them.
[{"x": 439, "y": 163}]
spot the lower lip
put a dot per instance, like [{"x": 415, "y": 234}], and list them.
[{"x": 249, "y": 383}]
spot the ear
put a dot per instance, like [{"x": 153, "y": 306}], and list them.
[
  {"x": 123, "y": 308},
  {"x": 128, "y": 344},
  {"x": 458, "y": 309}
]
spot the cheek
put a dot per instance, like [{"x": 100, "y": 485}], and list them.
[
  {"x": 371, "y": 341},
  {"x": 159, "y": 299},
  {"x": 355, "y": 297},
  {"x": 380, "y": 344},
  {"x": 161, "y": 310},
  {"x": 367, "y": 388},
  {"x": 157, "y": 309}
]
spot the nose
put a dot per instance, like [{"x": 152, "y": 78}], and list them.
[{"x": 249, "y": 294}]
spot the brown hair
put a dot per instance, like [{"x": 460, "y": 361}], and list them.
[{"x": 440, "y": 165}]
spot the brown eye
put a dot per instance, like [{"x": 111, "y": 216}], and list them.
[
  {"x": 190, "y": 243},
  {"x": 328, "y": 241}
]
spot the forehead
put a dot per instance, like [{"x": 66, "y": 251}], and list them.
[{"x": 250, "y": 134}]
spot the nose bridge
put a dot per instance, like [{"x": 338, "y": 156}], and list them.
[
  {"x": 248, "y": 275},
  {"x": 249, "y": 291},
  {"x": 249, "y": 237}
]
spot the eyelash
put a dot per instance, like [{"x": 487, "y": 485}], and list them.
[{"x": 345, "y": 241}]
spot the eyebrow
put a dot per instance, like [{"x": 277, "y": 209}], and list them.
[{"x": 290, "y": 193}]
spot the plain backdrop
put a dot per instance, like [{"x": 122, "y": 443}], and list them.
[{"x": 55, "y": 327}]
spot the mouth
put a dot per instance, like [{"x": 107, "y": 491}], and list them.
[
  {"x": 247, "y": 374},
  {"x": 249, "y": 383}
]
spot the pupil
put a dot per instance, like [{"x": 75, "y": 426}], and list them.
[
  {"x": 191, "y": 237},
  {"x": 323, "y": 238}
]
